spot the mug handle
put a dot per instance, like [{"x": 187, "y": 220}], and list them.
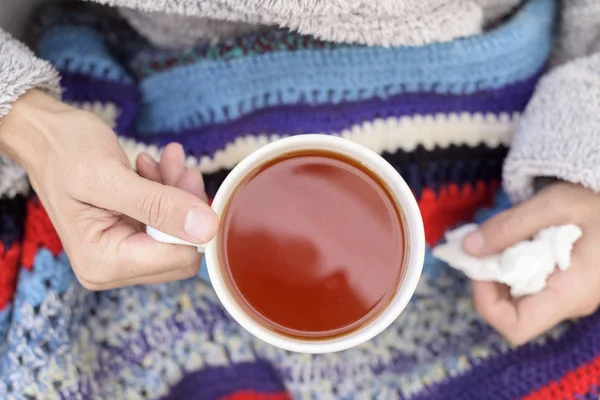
[{"x": 164, "y": 238}]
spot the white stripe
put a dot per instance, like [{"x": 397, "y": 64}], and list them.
[
  {"x": 392, "y": 134},
  {"x": 108, "y": 112}
]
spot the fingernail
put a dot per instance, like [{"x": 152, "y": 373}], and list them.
[
  {"x": 199, "y": 224},
  {"x": 474, "y": 242}
]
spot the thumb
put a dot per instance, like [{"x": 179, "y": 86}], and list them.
[
  {"x": 512, "y": 226},
  {"x": 166, "y": 208}
]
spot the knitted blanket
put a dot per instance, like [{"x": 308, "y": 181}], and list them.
[{"x": 442, "y": 114}]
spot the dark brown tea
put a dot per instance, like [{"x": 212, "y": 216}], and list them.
[{"x": 314, "y": 245}]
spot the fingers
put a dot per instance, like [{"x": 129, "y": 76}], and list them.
[
  {"x": 138, "y": 255},
  {"x": 171, "y": 171},
  {"x": 172, "y": 168},
  {"x": 130, "y": 255},
  {"x": 170, "y": 276},
  {"x": 191, "y": 181},
  {"x": 172, "y": 163},
  {"x": 582, "y": 280},
  {"x": 168, "y": 209},
  {"x": 522, "y": 319},
  {"x": 173, "y": 274},
  {"x": 512, "y": 226},
  {"x": 493, "y": 302},
  {"x": 148, "y": 168}
]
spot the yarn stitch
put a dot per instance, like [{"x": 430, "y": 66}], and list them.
[{"x": 443, "y": 117}]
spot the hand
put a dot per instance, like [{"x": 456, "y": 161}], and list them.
[
  {"x": 571, "y": 294},
  {"x": 98, "y": 205}
]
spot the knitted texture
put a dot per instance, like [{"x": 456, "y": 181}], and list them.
[
  {"x": 402, "y": 22},
  {"x": 569, "y": 95},
  {"x": 444, "y": 120},
  {"x": 18, "y": 73}
]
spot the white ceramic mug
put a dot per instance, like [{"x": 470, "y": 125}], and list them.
[{"x": 405, "y": 202}]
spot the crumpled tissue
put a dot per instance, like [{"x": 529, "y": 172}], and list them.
[{"x": 524, "y": 267}]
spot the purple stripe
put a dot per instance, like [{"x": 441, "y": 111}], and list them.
[
  {"x": 299, "y": 119},
  {"x": 593, "y": 394},
  {"x": 530, "y": 367},
  {"x": 217, "y": 382},
  {"x": 81, "y": 88}
]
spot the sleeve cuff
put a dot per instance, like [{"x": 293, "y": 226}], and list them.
[
  {"x": 559, "y": 134},
  {"x": 20, "y": 71}
]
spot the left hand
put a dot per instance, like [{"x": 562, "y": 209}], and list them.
[
  {"x": 98, "y": 206},
  {"x": 570, "y": 294}
]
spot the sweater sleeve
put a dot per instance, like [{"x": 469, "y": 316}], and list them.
[
  {"x": 20, "y": 71},
  {"x": 559, "y": 133}
]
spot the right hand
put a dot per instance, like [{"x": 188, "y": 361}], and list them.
[
  {"x": 569, "y": 294},
  {"x": 98, "y": 205}
]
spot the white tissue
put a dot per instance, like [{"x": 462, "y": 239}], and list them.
[{"x": 524, "y": 267}]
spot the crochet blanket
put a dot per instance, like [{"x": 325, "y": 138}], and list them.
[{"x": 442, "y": 114}]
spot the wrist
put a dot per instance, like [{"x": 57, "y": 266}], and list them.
[{"x": 26, "y": 131}]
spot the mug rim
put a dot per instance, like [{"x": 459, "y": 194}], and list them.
[{"x": 414, "y": 231}]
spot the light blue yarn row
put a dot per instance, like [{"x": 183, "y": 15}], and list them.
[
  {"x": 5, "y": 315},
  {"x": 210, "y": 92},
  {"x": 49, "y": 273},
  {"x": 82, "y": 50},
  {"x": 203, "y": 272}
]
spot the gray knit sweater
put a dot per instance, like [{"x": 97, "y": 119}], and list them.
[{"x": 559, "y": 133}]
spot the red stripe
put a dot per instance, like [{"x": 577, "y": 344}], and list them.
[
  {"x": 9, "y": 267},
  {"x": 251, "y": 395},
  {"x": 452, "y": 205},
  {"x": 39, "y": 232},
  {"x": 575, "y": 383}
]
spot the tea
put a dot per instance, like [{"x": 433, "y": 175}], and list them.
[{"x": 313, "y": 245}]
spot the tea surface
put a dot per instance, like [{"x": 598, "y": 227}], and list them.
[{"x": 314, "y": 245}]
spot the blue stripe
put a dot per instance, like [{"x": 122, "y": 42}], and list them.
[
  {"x": 82, "y": 50},
  {"x": 5, "y": 321},
  {"x": 49, "y": 273},
  {"x": 203, "y": 272},
  {"x": 217, "y": 91}
]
